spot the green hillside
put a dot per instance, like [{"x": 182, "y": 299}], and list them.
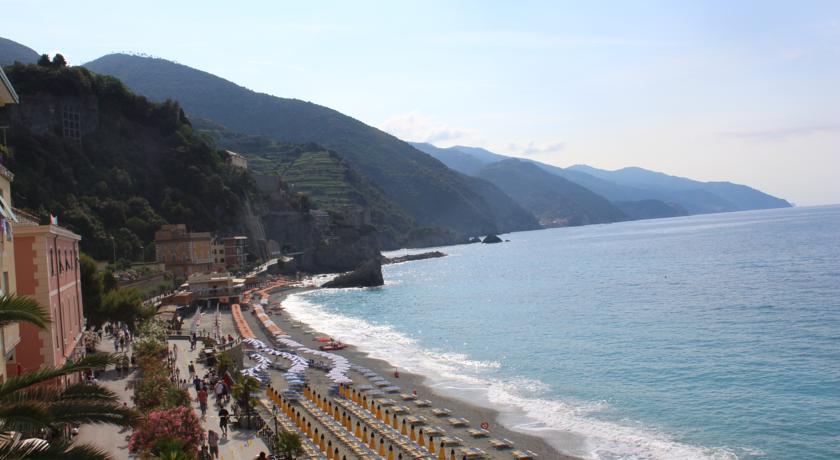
[
  {"x": 126, "y": 166},
  {"x": 428, "y": 191},
  {"x": 553, "y": 199}
]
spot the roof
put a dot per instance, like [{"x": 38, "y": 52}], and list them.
[{"x": 7, "y": 91}]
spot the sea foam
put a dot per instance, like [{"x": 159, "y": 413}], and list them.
[{"x": 571, "y": 427}]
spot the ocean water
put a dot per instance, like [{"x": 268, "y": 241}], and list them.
[{"x": 713, "y": 336}]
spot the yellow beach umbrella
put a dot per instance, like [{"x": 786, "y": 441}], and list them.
[
  {"x": 381, "y": 447},
  {"x": 421, "y": 439}
]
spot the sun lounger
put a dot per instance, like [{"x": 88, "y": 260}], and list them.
[
  {"x": 524, "y": 455},
  {"x": 458, "y": 421},
  {"x": 423, "y": 403},
  {"x": 400, "y": 410},
  {"x": 408, "y": 397},
  {"x": 391, "y": 389},
  {"x": 478, "y": 432},
  {"x": 441, "y": 412},
  {"x": 449, "y": 441},
  {"x": 501, "y": 443},
  {"x": 472, "y": 452},
  {"x": 386, "y": 402}
]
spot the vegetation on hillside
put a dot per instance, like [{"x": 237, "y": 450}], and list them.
[
  {"x": 136, "y": 165},
  {"x": 556, "y": 201},
  {"x": 428, "y": 191}
]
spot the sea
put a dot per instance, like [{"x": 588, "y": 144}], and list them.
[{"x": 701, "y": 337}]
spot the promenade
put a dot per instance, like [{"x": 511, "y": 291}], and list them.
[{"x": 239, "y": 444}]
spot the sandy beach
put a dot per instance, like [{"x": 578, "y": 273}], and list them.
[{"x": 408, "y": 382}]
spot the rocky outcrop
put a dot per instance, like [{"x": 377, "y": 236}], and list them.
[
  {"x": 412, "y": 257},
  {"x": 369, "y": 274},
  {"x": 490, "y": 239}
]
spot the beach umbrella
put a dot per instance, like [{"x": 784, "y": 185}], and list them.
[
  {"x": 373, "y": 442},
  {"x": 381, "y": 447},
  {"x": 364, "y": 434},
  {"x": 411, "y": 435},
  {"x": 390, "y": 452},
  {"x": 329, "y": 450},
  {"x": 431, "y": 445},
  {"x": 321, "y": 444},
  {"x": 422, "y": 439},
  {"x": 403, "y": 430},
  {"x": 442, "y": 455},
  {"x": 394, "y": 422},
  {"x": 358, "y": 431},
  {"x": 451, "y": 454}
]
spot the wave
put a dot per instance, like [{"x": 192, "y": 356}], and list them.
[{"x": 571, "y": 427}]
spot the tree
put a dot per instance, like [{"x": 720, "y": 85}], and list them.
[
  {"x": 59, "y": 61},
  {"x": 44, "y": 60},
  {"x": 288, "y": 444},
  {"x": 31, "y": 404},
  {"x": 243, "y": 392},
  {"x": 92, "y": 290},
  {"x": 125, "y": 305}
]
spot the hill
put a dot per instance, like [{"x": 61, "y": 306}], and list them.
[
  {"x": 631, "y": 185},
  {"x": 553, "y": 199},
  {"x": 428, "y": 191},
  {"x": 122, "y": 168},
  {"x": 472, "y": 160},
  {"x": 114, "y": 166},
  {"x": 695, "y": 196},
  {"x": 11, "y": 51},
  {"x": 322, "y": 174}
]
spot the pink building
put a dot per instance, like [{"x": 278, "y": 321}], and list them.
[{"x": 47, "y": 266}]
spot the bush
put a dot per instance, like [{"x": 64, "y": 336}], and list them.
[{"x": 163, "y": 427}]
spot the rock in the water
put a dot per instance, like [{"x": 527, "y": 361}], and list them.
[
  {"x": 474, "y": 239},
  {"x": 368, "y": 274},
  {"x": 489, "y": 239},
  {"x": 412, "y": 257}
]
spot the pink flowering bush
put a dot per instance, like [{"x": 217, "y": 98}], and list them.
[{"x": 166, "y": 425}]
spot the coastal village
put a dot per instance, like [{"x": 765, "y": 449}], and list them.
[{"x": 197, "y": 358}]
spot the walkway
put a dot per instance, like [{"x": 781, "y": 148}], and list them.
[{"x": 240, "y": 444}]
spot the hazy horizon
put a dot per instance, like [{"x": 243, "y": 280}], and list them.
[{"x": 717, "y": 91}]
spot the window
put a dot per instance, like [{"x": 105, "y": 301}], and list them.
[
  {"x": 5, "y": 286},
  {"x": 71, "y": 123},
  {"x": 52, "y": 268}
]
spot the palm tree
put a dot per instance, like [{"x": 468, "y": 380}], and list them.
[
  {"x": 288, "y": 444},
  {"x": 30, "y": 407}
]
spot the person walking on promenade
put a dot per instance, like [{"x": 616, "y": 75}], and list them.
[
  {"x": 202, "y": 402},
  {"x": 191, "y": 368},
  {"x": 223, "y": 421},
  {"x": 213, "y": 443}
]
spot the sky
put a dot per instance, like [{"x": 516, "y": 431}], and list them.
[{"x": 746, "y": 91}]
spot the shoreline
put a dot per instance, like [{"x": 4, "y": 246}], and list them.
[{"x": 408, "y": 381}]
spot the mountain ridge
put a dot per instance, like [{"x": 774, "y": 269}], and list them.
[{"x": 431, "y": 193}]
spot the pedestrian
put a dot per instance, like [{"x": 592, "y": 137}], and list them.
[
  {"x": 261, "y": 456},
  {"x": 220, "y": 391},
  {"x": 202, "y": 401},
  {"x": 213, "y": 443},
  {"x": 223, "y": 421},
  {"x": 197, "y": 383},
  {"x": 191, "y": 368}
]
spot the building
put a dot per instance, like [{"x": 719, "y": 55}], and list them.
[
  {"x": 10, "y": 334},
  {"x": 184, "y": 253},
  {"x": 235, "y": 251},
  {"x": 237, "y": 160},
  {"x": 215, "y": 287},
  {"x": 217, "y": 252},
  {"x": 47, "y": 263}
]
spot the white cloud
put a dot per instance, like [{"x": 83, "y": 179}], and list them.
[
  {"x": 415, "y": 127},
  {"x": 535, "y": 148}
]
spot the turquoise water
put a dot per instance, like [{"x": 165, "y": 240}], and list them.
[{"x": 712, "y": 336}]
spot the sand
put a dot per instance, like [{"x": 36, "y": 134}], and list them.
[{"x": 409, "y": 382}]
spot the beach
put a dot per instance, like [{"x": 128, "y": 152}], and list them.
[{"x": 409, "y": 383}]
